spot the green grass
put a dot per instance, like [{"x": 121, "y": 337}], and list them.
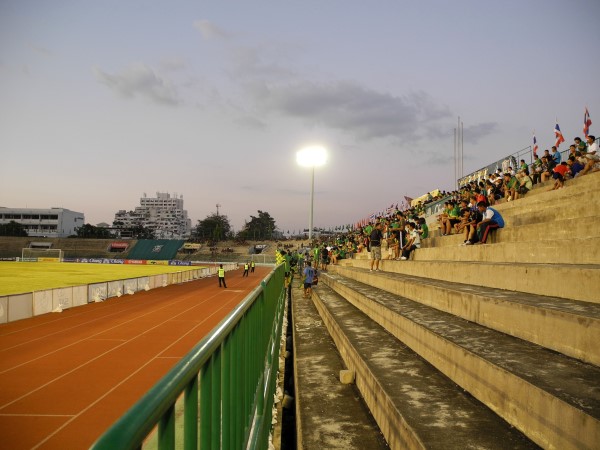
[{"x": 20, "y": 277}]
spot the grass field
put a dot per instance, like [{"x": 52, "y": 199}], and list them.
[{"x": 19, "y": 277}]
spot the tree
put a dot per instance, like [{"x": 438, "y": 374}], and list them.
[
  {"x": 92, "y": 232},
  {"x": 214, "y": 227},
  {"x": 13, "y": 228},
  {"x": 141, "y": 232},
  {"x": 261, "y": 227}
]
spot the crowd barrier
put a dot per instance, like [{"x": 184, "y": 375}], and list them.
[{"x": 30, "y": 304}]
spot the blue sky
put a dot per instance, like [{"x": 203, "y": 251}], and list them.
[{"x": 101, "y": 102}]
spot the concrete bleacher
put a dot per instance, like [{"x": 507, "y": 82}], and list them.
[{"x": 489, "y": 346}]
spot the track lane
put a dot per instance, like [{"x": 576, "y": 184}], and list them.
[{"x": 121, "y": 349}]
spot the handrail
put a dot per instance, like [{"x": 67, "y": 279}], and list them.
[{"x": 157, "y": 405}]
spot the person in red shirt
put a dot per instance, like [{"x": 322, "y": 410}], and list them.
[{"x": 558, "y": 173}]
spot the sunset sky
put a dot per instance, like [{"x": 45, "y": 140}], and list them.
[{"x": 103, "y": 101}]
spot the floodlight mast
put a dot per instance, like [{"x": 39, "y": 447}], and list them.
[{"x": 311, "y": 157}]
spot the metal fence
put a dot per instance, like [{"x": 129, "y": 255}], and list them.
[{"x": 227, "y": 381}]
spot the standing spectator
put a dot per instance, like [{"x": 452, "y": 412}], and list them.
[
  {"x": 537, "y": 169},
  {"x": 221, "y": 275},
  {"x": 491, "y": 219},
  {"x": 375, "y": 243},
  {"x": 309, "y": 275},
  {"x": 413, "y": 242}
]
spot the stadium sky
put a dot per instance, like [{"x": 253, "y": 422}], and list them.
[{"x": 102, "y": 101}]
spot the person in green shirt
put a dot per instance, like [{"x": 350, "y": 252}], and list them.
[
  {"x": 511, "y": 185},
  {"x": 424, "y": 229}
]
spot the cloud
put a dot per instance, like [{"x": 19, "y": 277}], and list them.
[
  {"x": 210, "y": 30},
  {"x": 346, "y": 106},
  {"x": 139, "y": 80},
  {"x": 172, "y": 64},
  {"x": 474, "y": 133}
]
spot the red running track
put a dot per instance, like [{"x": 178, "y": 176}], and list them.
[{"x": 66, "y": 377}]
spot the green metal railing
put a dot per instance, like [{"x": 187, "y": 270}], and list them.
[{"x": 227, "y": 380}]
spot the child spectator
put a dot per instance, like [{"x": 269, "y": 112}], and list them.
[
  {"x": 559, "y": 175},
  {"x": 491, "y": 219}
]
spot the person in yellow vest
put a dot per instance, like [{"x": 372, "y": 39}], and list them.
[
  {"x": 252, "y": 267},
  {"x": 221, "y": 273},
  {"x": 246, "y": 266}
]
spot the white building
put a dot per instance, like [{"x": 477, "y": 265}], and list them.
[
  {"x": 163, "y": 214},
  {"x": 51, "y": 222}
]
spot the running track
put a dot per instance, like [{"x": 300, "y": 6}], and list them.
[{"x": 65, "y": 378}]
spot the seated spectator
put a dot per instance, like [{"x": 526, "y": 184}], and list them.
[
  {"x": 547, "y": 166},
  {"x": 558, "y": 174},
  {"x": 465, "y": 214},
  {"x": 413, "y": 242},
  {"x": 556, "y": 156},
  {"x": 574, "y": 166},
  {"x": 581, "y": 146},
  {"x": 471, "y": 227},
  {"x": 593, "y": 159},
  {"x": 452, "y": 218},
  {"x": 536, "y": 168},
  {"x": 525, "y": 183},
  {"x": 524, "y": 167},
  {"x": 423, "y": 228},
  {"x": 511, "y": 184},
  {"x": 491, "y": 219}
]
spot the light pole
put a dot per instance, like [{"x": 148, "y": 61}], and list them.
[{"x": 312, "y": 157}]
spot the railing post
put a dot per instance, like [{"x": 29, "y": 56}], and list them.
[
  {"x": 190, "y": 416},
  {"x": 166, "y": 430},
  {"x": 205, "y": 405}
]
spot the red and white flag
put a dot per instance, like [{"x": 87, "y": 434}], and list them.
[
  {"x": 559, "y": 135},
  {"x": 586, "y": 123},
  {"x": 535, "y": 146}
]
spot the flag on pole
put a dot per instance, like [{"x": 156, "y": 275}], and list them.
[
  {"x": 586, "y": 123},
  {"x": 559, "y": 135},
  {"x": 535, "y": 146}
]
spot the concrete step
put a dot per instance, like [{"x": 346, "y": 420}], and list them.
[
  {"x": 577, "y": 282},
  {"x": 329, "y": 414},
  {"x": 552, "y": 399},
  {"x": 414, "y": 404},
  {"x": 564, "y": 229},
  {"x": 571, "y": 251},
  {"x": 534, "y": 318}
]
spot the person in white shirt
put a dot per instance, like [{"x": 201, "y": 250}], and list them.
[
  {"x": 593, "y": 159},
  {"x": 413, "y": 241}
]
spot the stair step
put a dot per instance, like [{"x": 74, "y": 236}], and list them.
[
  {"x": 574, "y": 281},
  {"x": 552, "y": 398},
  {"x": 414, "y": 404},
  {"x": 329, "y": 414},
  {"x": 531, "y": 317}
]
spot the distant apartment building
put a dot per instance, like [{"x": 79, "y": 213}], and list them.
[
  {"x": 51, "y": 222},
  {"x": 163, "y": 214}
]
